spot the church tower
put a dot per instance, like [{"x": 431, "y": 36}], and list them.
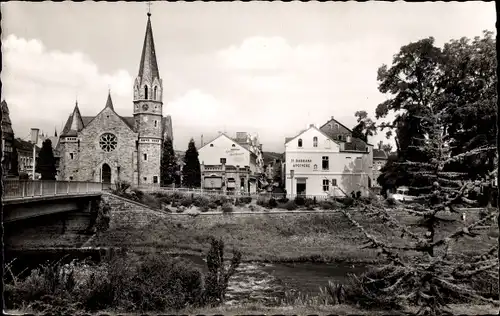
[{"x": 148, "y": 112}]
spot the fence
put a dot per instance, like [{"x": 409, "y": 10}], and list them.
[
  {"x": 233, "y": 194},
  {"x": 15, "y": 189}
]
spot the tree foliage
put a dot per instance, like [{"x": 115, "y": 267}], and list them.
[
  {"x": 46, "y": 164},
  {"x": 459, "y": 81},
  {"x": 191, "y": 172},
  {"x": 168, "y": 163},
  {"x": 429, "y": 277},
  {"x": 365, "y": 127}
]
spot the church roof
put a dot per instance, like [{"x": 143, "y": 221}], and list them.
[
  {"x": 149, "y": 66},
  {"x": 74, "y": 123},
  {"x": 109, "y": 102}
]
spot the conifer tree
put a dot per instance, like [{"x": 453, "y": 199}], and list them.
[
  {"x": 191, "y": 172},
  {"x": 168, "y": 163},
  {"x": 46, "y": 164},
  {"x": 429, "y": 277}
]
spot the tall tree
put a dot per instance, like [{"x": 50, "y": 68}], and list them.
[
  {"x": 470, "y": 100},
  {"x": 46, "y": 164},
  {"x": 168, "y": 163},
  {"x": 191, "y": 173},
  {"x": 365, "y": 127}
]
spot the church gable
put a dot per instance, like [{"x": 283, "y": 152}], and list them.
[{"x": 108, "y": 120}]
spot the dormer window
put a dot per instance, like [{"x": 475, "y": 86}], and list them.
[
  {"x": 211, "y": 145},
  {"x": 233, "y": 145},
  {"x": 315, "y": 141},
  {"x": 154, "y": 93},
  {"x": 299, "y": 143},
  {"x": 145, "y": 92}
]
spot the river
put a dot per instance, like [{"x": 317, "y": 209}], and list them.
[{"x": 253, "y": 282}]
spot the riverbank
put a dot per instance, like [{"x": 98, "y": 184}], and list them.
[
  {"x": 269, "y": 237},
  {"x": 257, "y": 309}
]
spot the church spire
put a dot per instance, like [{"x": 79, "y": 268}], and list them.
[
  {"x": 148, "y": 68},
  {"x": 76, "y": 119},
  {"x": 109, "y": 102}
]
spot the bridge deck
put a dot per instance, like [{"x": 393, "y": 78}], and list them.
[{"x": 30, "y": 191}]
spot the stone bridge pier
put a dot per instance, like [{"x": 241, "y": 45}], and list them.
[{"x": 43, "y": 222}]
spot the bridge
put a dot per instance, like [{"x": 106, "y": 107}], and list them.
[{"x": 35, "y": 212}]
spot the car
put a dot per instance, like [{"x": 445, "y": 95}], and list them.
[{"x": 402, "y": 195}]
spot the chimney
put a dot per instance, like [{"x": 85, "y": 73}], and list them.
[
  {"x": 311, "y": 125},
  {"x": 348, "y": 138},
  {"x": 380, "y": 145},
  {"x": 332, "y": 117},
  {"x": 201, "y": 140}
]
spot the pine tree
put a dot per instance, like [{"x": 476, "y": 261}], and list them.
[
  {"x": 46, "y": 164},
  {"x": 429, "y": 277},
  {"x": 168, "y": 163},
  {"x": 191, "y": 172}
]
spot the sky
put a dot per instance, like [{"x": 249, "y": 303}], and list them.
[{"x": 267, "y": 68}]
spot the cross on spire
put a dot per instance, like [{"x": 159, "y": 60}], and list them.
[{"x": 149, "y": 8}]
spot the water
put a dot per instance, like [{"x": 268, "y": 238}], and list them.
[
  {"x": 253, "y": 282},
  {"x": 266, "y": 282}
]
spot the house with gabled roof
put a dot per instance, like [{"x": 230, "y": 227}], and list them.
[
  {"x": 327, "y": 161},
  {"x": 230, "y": 165},
  {"x": 109, "y": 147}
]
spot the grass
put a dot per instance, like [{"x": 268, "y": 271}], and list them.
[{"x": 326, "y": 237}]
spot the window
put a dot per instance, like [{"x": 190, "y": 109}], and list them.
[
  {"x": 145, "y": 156},
  {"x": 145, "y": 179},
  {"x": 315, "y": 167},
  {"x": 211, "y": 145},
  {"x": 233, "y": 145},
  {"x": 223, "y": 160},
  {"x": 340, "y": 137},
  {"x": 325, "y": 164},
  {"x": 70, "y": 178},
  {"x": 334, "y": 182},
  {"x": 156, "y": 123},
  {"x": 155, "y": 178},
  {"x": 71, "y": 156},
  {"x": 300, "y": 142},
  {"x": 154, "y": 95},
  {"x": 325, "y": 185},
  {"x": 145, "y": 92},
  {"x": 108, "y": 142},
  {"x": 315, "y": 141}
]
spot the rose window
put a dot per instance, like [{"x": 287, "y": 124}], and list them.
[{"x": 107, "y": 142}]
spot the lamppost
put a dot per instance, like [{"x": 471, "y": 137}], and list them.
[
  {"x": 34, "y": 140},
  {"x": 292, "y": 172}
]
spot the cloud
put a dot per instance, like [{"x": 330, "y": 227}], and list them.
[{"x": 41, "y": 85}]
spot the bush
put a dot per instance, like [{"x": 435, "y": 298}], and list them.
[
  {"x": 391, "y": 201},
  {"x": 186, "y": 201},
  {"x": 283, "y": 200},
  {"x": 245, "y": 199},
  {"x": 200, "y": 201},
  {"x": 262, "y": 201},
  {"x": 290, "y": 205},
  {"x": 212, "y": 205},
  {"x": 309, "y": 203},
  {"x": 227, "y": 208},
  {"x": 138, "y": 194},
  {"x": 327, "y": 205},
  {"x": 175, "y": 204},
  {"x": 181, "y": 209},
  {"x": 272, "y": 203},
  {"x": 300, "y": 200},
  {"x": 204, "y": 209},
  {"x": 166, "y": 199},
  {"x": 219, "y": 200}
]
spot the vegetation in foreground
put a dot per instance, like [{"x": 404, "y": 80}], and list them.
[{"x": 124, "y": 283}]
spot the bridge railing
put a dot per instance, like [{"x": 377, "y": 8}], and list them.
[{"x": 15, "y": 189}]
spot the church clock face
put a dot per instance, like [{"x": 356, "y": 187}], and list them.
[{"x": 145, "y": 107}]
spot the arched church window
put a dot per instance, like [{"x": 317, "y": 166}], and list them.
[
  {"x": 299, "y": 143},
  {"x": 145, "y": 92},
  {"x": 108, "y": 142},
  {"x": 315, "y": 141},
  {"x": 155, "y": 93}
]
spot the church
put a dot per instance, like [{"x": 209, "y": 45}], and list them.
[{"x": 109, "y": 147}]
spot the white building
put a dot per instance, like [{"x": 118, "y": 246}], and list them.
[
  {"x": 230, "y": 165},
  {"x": 320, "y": 163}
]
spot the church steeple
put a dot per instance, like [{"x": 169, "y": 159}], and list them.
[
  {"x": 109, "y": 102},
  {"x": 148, "y": 68},
  {"x": 148, "y": 84}
]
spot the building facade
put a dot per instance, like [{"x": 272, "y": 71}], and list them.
[
  {"x": 109, "y": 147},
  {"x": 7, "y": 140},
  {"x": 230, "y": 164},
  {"x": 25, "y": 156},
  {"x": 379, "y": 160},
  {"x": 327, "y": 161}
]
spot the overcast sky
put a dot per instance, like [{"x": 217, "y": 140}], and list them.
[{"x": 264, "y": 67}]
